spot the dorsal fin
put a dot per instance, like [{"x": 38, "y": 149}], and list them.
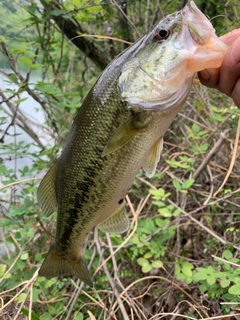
[{"x": 46, "y": 193}]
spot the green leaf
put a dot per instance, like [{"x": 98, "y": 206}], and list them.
[
  {"x": 187, "y": 268},
  {"x": 36, "y": 293},
  {"x": 160, "y": 194},
  {"x": 224, "y": 283},
  {"x": 235, "y": 289},
  {"x": 162, "y": 222},
  {"x": 57, "y": 12},
  {"x": 27, "y": 62},
  {"x": 165, "y": 212},
  {"x": 148, "y": 255},
  {"x": 14, "y": 78},
  {"x": 142, "y": 261},
  {"x": 176, "y": 184},
  {"x": 195, "y": 128},
  {"x": 159, "y": 203},
  {"x": 176, "y": 212},
  {"x": 26, "y": 313},
  {"x": 201, "y": 274},
  {"x": 183, "y": 191},
  {"x": 50, "y": 282},
  {"x": 203, "y": 288},
  {"x": 157, "y": 264},
  {"x": 150, "y": 225},
  {"x": 204, "y": 147},
  {"x": 22, "y": 297},
  {"x": 78, "y": 316},
  {"x": 177, "y": 268},
  {"x": 188, "y": 183},
  {"x": 211, "y": 280},
  {"x": 20, "y": 100},
  {"x": 146, "y": 268},
  {"x": 46, "y": 316},
  {"x": 3, "y": 268},
  {"x": 24, "y": 256},
  {"x": 227, "y": 254}
]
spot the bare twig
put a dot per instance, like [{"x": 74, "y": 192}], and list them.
[
  {"x": 213, "y": 234},
  {"x": 211, "y": 153},
  {"x": 234, "y": 155},
  {"x": 112, "y": 283}
]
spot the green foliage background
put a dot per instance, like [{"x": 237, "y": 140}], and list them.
[{"x": 181, "y": 254}]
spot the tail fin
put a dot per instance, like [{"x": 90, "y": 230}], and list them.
[{"x": 55, "y": 266}]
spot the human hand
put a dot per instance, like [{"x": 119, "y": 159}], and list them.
[{"x": 226, "y": 78}]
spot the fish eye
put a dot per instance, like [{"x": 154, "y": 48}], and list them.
[{"x": 162, "y": 34}]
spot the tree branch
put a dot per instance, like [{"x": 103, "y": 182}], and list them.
[
  {"x": 21, "y": 120},
  {"x": 71, "y": 29}
]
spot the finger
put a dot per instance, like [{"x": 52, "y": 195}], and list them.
[
  {"x": 224, "y": 78},
  {"x": 236, "y": 94},
  {"x": 209, "y": 77},
  {"x": 230, "y": 69},
  {"x": 231, "y": 37}
]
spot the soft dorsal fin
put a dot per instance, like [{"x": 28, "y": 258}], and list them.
[
  {"x": 46, "y": 193},
  {"x": 125, "y": 133},
  {"x": 150, "y": 163},
  {"x": 116, "y": 223}
]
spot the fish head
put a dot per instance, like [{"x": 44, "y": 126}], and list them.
[{"x": 159, "y": 72}]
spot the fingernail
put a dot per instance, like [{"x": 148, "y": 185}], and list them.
[
  {"x": 235, "y": 51},
  {"x": 205, "y": 74}
]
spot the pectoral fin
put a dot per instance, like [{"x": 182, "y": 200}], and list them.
[
  {"x": 116, "y": 223},
  {"x": 125, "y": 133},
  {"x": 46, "y": 194},
  {"x": 150, "y": 164}
]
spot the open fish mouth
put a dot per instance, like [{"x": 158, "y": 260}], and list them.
[
  {"x": 160, "y": 74},
  {"x": 202, "y": 31}
]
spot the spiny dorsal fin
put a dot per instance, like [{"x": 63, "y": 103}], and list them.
[
  {"x": 125, "y": 133},
  {"x": 46, "y": 193},
  {"x": 150, "y": 164},
  {"x": 116, "y": 223}
]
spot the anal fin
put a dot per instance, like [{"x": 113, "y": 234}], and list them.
[
  {"x": 150, "y": 163},
  {"x": 46, "y": 193},
  {"x": 116, "y": 223}
]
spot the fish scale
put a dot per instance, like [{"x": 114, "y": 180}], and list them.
[{"x": 118, "y": 129}]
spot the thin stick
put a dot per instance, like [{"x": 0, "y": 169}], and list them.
[
  {"x": 159, "y": 278},
  {"x": 102, "y": 37},
  {"x": 111, "y": 281},
  {"x": 232, "y": 160},
  {"x": 213, "y": 234},
  {"x": 19, "y": 182},
  {"x": 34, "y": 277},
  {"x": 211, "y": 153},
  {"x": 187, "y": 317},
  {"x": 225, "y": 261},
  {"x": 135, "y": 216}
]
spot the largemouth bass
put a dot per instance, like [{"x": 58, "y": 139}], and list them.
[{"x": 119, "y": 129}]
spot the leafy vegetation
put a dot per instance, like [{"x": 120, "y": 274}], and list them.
[{"x": 180, "y": 257}]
